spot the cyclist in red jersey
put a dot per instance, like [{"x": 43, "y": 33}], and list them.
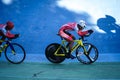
[
  {"x": 64, "y": 32},
  {"x": 5, "y": 31}
]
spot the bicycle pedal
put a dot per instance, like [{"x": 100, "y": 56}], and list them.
[{"x": 67, "y": 56}]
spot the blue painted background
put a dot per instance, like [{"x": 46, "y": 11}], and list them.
[{"x": 38, "y": 22}]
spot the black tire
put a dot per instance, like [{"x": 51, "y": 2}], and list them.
[
  {"x": 92, "y": 55},
  {"x": 50, "y": 50},
  {"x": 19, "y": 55}
]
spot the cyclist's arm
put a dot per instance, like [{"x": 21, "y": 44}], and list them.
[
  {"x": 9, "y": 35},
  {"x": 82, "y": 33},
  {"x": 5, "y": 33}
]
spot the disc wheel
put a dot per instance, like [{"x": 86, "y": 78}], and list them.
[{"x": 51, "y": 49}]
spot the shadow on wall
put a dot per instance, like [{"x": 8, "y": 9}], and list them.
[
  {"x": 108, "y": 24},
  {"x": 109, "y": 40}
]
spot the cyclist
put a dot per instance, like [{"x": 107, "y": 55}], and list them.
[
  {"x": 5, "y": 31},
  {"x": 64, "y": 32}
]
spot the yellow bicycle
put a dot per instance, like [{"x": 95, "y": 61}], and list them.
[{"x": 86, "y": 53}]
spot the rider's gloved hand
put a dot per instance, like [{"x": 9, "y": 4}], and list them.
[
  {"x": 90, "y": 31},
  {"x": 17, "y": 35}
]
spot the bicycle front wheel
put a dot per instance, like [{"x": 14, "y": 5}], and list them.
[
  {"x": 89, "y": 57},
  {"x": 17, "y": 56}
]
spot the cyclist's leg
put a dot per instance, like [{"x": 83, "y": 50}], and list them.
[
  {"x": 71, "y": 41},
  {"x": 2, "y": 38},
  {"x": 69, "y": 38},
  {"x": 70, "y": 44}
]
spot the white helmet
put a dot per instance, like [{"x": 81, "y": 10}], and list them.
[{"x": 82, "y": 23}]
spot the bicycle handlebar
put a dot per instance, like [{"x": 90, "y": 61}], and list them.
[
  {"x": 82, "y": 37},
  {"x": 8, "y": 39},
  {"x": 16, "y": 36}
]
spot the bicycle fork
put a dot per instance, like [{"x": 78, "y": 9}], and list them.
[
  {"x": 86, "y": 52},
  {"x": 12, "y": 48}
]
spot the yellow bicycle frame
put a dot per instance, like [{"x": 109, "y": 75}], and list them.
[
  {"x": 63, "y": 43},
  {"x": 4, "y": 46}
]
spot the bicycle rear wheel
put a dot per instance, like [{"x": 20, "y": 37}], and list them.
[
  {"x": 50, "y": 50},
  {"x": 90, "y": 57},
  {"x": 17, "y": 56}
]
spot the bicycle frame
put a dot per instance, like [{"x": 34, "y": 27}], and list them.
[
  {"x": 63, "y": 43},
  {"x": 5, "y": 45}
]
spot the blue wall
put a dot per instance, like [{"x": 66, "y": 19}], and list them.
[{"x": 38, "y": 22}]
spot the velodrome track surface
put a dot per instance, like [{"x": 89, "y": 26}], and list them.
[
  {"x": 64, "y": 71},
  {"x": 36, "y": 67}
]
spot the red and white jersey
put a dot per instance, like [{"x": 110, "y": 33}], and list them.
[
  {"x": 5, "y": 32},
  {"x": 72, "y": 27},
  {"x": 69, "y": 26}
]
